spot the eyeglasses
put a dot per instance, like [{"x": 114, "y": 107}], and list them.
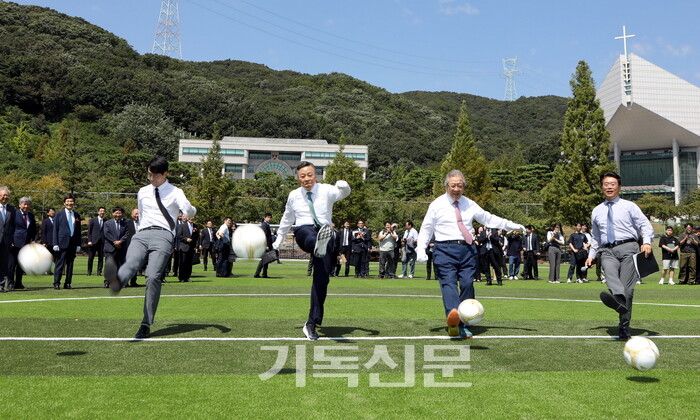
[{"x": 610, "y": 184}]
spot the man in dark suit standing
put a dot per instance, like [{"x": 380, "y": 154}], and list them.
[
  {"x": 116, "y": 235},
  {"x": 207, "y": 239},
  {"x": 47, "y": 233},
  {"x": 96, "y": 241},
  {"x": 25, "y": 232},
  {"x": 345, "y": 242},
  {"x": 188, "y": 237},
  {"x": 360, "y": 249},
  {"x": 531, "y": 245},
  {"x": 265, "y": 225},
  {"x": 7, "y": 231},
  {"x": 493, "y": 246},
  {"x": 132, "y": 226},
  {"x": 66, "y": 239}
]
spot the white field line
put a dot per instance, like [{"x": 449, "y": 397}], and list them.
[
  {"x": 336, "y": 295},
  {"x": 254, "y": 339}
]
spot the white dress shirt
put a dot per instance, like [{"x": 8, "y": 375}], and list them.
[
  {"x": 441, "y": 220},
  {"x": 173, "y": 200},
  {"x": 225, "y": 233},
  {"x": 297, "y": 210}
]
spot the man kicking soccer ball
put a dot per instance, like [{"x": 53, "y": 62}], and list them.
[
  {"x": 449, "y": 219},
  {"x": 310, "y": 207},
  {"x": 159, "y": 203}
]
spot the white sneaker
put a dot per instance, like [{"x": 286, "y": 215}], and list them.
[
  {"x": 400, "y": 277},
  {"x": 568, "y": 280},
  {"x": 639, "y": 282},
  {"x": 579, "y": 281},
  {"x": 604, "y": 281},
  {"x": 410, "y": 276},
  {"x": 322, "y": 238},
  {"x": 671, "y": 282},
  {"x": 662, "y": 281},
  {"x": 515, "y": 277}
]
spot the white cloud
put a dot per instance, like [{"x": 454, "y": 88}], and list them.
[
  {"x": 682, "y": 51},
  {"x": 642, "y": 48},
  {"x": 464, "y": 8},
  {"x": 676, "y": 51}
]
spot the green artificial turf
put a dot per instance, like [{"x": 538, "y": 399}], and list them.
[{"x": 213, "y": 373}]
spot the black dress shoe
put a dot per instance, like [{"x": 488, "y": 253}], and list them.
[
  {"x": 67, "y": 286},
  {"x": 106, "y": 286},
  {"x": 143, "y": 332},
  {"x": 21, "y": 287},
  {"x": 256, "y": 276},
  {"x": 134, "y": 284},
  {"x": 613, "y": 302},
  {"x": 56, "y": 287}
]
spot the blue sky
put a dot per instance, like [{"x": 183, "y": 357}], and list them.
[{"x": 431, "y": 45}]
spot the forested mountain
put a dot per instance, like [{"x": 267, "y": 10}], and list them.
[{"x": 54, "y": 67}]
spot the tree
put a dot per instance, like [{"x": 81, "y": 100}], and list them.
[
  {"x": 574, "y": 188},
  {"x": 210, "y": 192},
  {"x": 149, "y": 128},
  {"x": 466, "y": 157},
  {"x": 657, "y": 206},
  {"x": 355, "y": 206}
]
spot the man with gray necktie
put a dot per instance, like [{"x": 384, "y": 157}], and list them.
[{"x": 616, "y": 227}]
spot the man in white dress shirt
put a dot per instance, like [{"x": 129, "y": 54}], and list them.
[
  {"x": 159, "y": 204},
  {"x": 449, "y": 219},
  {"x": 310, "y": 208}
]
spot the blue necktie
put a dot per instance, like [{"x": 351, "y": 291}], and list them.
[
  {"x": 610, "y": 232},
  {"x": 71, "y": 222}
]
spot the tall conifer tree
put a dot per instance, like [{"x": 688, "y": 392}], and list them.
[
  {"x": 466, "y": 157},
  {"x": 574, "y": 188}
]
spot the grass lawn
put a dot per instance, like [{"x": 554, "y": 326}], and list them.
[{"x": 233, "y": 348}]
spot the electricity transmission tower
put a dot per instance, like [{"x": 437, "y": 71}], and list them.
[
  {"x": 509, "y": 70},
  {"x": 167, "y": 38}
]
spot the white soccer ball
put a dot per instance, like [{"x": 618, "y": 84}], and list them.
[
  {"x": 641, "y": 353},
  {"x": 34, "y": 259},
  {"x": 471, "y": 312},
  {"x": 249, "y": 241}
]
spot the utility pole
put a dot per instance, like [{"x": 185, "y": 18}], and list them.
[
  {"x": 167, "y": 39},
  {"x": 509, "y": 70}
]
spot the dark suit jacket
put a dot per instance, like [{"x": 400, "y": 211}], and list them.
[
  {"x": 361, "y": 240},
  {"x": 24, "y": 234},
  {"x": 47, "y": 232},
  {"x": 131, "y": 228},
  {"x": 95, "y": 233},
  {"x": 115, "y": 232},
  {"x": 268, "y": 233},
  {"x": 61, "y": 230},
  {"x": 183, "y": 232},
  {"x": 494, "y": 239},
  {"x": 345, "y": 233},
  {"x": 535, "y": 242},
  {"x": 7, "y": 229},
  {"x": 206, "y": 241}
]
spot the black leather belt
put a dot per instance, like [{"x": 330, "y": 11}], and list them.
[
  {"x": 456, "y": 242},
  {"x": 156, "y": 228},
  {"x": 616, "y": 243}
]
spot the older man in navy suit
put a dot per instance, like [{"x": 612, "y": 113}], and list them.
[
  {"x": 66, "y": 239},
  {"x": 96, "y": 241},
  {"x": 25, "y": 232},
  {"x": 116, "y": 235},
  {"x": 7, "y": 230}
]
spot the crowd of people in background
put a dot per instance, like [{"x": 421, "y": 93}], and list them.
[{"x": 502, "y": 254}]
